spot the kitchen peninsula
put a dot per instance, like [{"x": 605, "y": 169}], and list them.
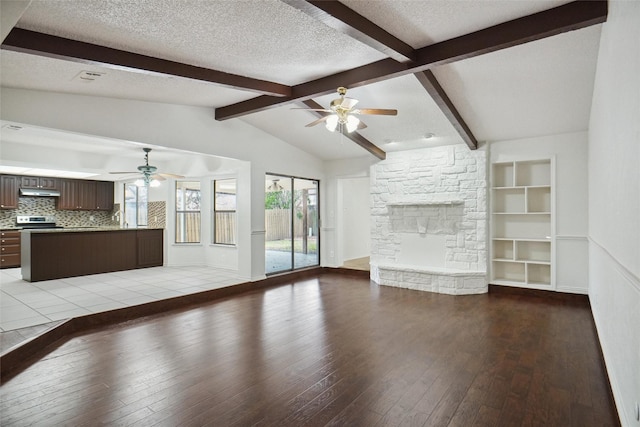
[{"x": 59, "y": 253}]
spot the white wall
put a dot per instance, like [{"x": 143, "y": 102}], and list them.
[
  {"x": 354, "y": 214},
  {"x": 614, "y": 204},
  {"x": 570, "y": 153},
  {"x": 176, "y": 126}
]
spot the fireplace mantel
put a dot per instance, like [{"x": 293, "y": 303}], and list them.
[{"x": 427, "y": 203}]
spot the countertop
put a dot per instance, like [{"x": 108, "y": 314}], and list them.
[{"x": 84, "y": 229}]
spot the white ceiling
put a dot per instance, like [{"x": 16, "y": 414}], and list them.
[{"x": 539, "y": 88}]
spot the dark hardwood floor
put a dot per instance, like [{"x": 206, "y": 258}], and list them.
[{"x": 333, "y": 350}]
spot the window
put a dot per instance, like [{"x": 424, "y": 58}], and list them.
[
  {"x": 224, "y": 211},
  {"x": 291, "y": 223},
  {"x": 135, "y": 205},
  {"x": 188, "y": 212}
]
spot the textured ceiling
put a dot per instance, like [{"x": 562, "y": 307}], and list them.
[
  {"x": 424, "y": 22},
  {"x": 55, "y": 75},
  {"x": 261, "y": 39},
  {"x": 538, "y": 88}
]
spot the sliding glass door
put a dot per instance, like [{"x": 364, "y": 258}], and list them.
[{"x": 291, "y": 223}]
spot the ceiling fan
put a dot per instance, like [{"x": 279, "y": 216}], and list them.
[
  {"x": 342, "y": 114},
  {"x": 149, "y": 175}
]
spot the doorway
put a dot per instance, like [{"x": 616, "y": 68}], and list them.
[
  {"x": 353, "y": 220},
  {"x": 292, "y": 238}
]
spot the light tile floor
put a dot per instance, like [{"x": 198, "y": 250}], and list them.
[{"x": 24, "y": 304}]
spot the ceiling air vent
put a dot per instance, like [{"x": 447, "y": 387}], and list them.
[
  {"x": 12, "y": 127},
  {"x": 88, "y": 76}
]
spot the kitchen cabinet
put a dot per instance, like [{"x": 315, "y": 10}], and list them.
[
  {"x": 86, "y": 195},
  {"x": 104, "y": 195},
  {"x": 68, "y": 199},
  {"x": 82, "y": 195},
  {"x": 44, "y": 182},
  {"x": 9, "y": 248},
  {"x": 150, "y": 247},
  {"x": 8, "y": 192},
  {"x": 63, "y": 253}
]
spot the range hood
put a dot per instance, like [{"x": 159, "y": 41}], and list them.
[{"x": 39, "y": 192}]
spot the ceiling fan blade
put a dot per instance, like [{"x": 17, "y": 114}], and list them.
[
  {"x": 131, "y": 172},
  {"x": 158, "y": 177},
  {"x": 376, "y": 111},
  {"x": 320, "y": 120},
  {"x": 313, "y": 109},
  {"x": 348, "y": 103},
  {"x": 168, "y": 175}
]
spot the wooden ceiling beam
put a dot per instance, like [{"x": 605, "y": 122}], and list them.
[
  {"x": 339, "y": 17},
  {"x": 49, "y": 46},
  {"x": 353, "y": 136},
  {"x": 561, "y": 19},
  {"x": 345, "y": 20},
  {"x": 428, "y": 80},
  {"x": 568, "y": 17}
]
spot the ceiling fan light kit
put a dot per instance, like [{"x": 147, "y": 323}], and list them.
[
  {"x": 142, "y": 182},
  {"x": 342, "y": 114},
  {"x": 275, "y": 186}
]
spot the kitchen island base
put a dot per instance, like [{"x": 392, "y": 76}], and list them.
[{"x": 56, "y": 254}]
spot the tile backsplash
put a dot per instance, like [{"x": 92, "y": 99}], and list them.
[
  {"x": 47, "y": 206},
  {"x": 157, "y": 214}
]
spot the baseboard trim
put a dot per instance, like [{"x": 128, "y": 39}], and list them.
[{"x": 541, "y": 293}]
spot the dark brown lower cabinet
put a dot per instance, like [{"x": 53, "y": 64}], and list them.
[
  {"x": 149, "y": 248},
  {"x": 59, "y": 254},
  {"x": 9, "y": 248}
]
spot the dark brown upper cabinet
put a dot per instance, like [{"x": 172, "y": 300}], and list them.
[
  {"x": 44, "y": 182},
  {"x": 9, "y": 192},
  {"x": 77, "y": 195},
  {"x": 104, "y": 195},
  {"x": 85, "y": 195}
]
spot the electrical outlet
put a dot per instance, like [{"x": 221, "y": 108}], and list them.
[{"x": 91, "y": 218}]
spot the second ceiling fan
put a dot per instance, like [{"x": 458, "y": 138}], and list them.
[
  {"x": 150, "y": 176},
  {"x": 342, "y": 113}
]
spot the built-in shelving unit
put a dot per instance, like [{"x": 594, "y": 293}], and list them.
[{"x": 522, "y": 223}]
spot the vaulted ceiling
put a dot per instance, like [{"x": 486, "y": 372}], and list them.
[{"x": 464, "y": 71}]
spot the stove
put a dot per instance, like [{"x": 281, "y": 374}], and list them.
[{"x": 36, "y": 221}]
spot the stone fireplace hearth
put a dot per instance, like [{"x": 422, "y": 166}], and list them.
[{"x": 429, "y": 220}]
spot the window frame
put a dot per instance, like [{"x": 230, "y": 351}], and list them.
[
  {"x": 214, "y": 211},
  {"x": 178, "y": 213},
  {"x": 125, "y": 223}
]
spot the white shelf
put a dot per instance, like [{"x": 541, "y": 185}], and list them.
[
  {"x": 522, "y": 223},
  {"x": 521, "y": 261},
  {"x": 428, "y": 203},
  {"x": 521, "y": 213},
  {"x": 533, "y": 173},
  {"x": 521, "y": 239}
]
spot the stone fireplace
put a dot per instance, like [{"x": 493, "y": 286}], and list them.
[{"x": 429, "y": 220}]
